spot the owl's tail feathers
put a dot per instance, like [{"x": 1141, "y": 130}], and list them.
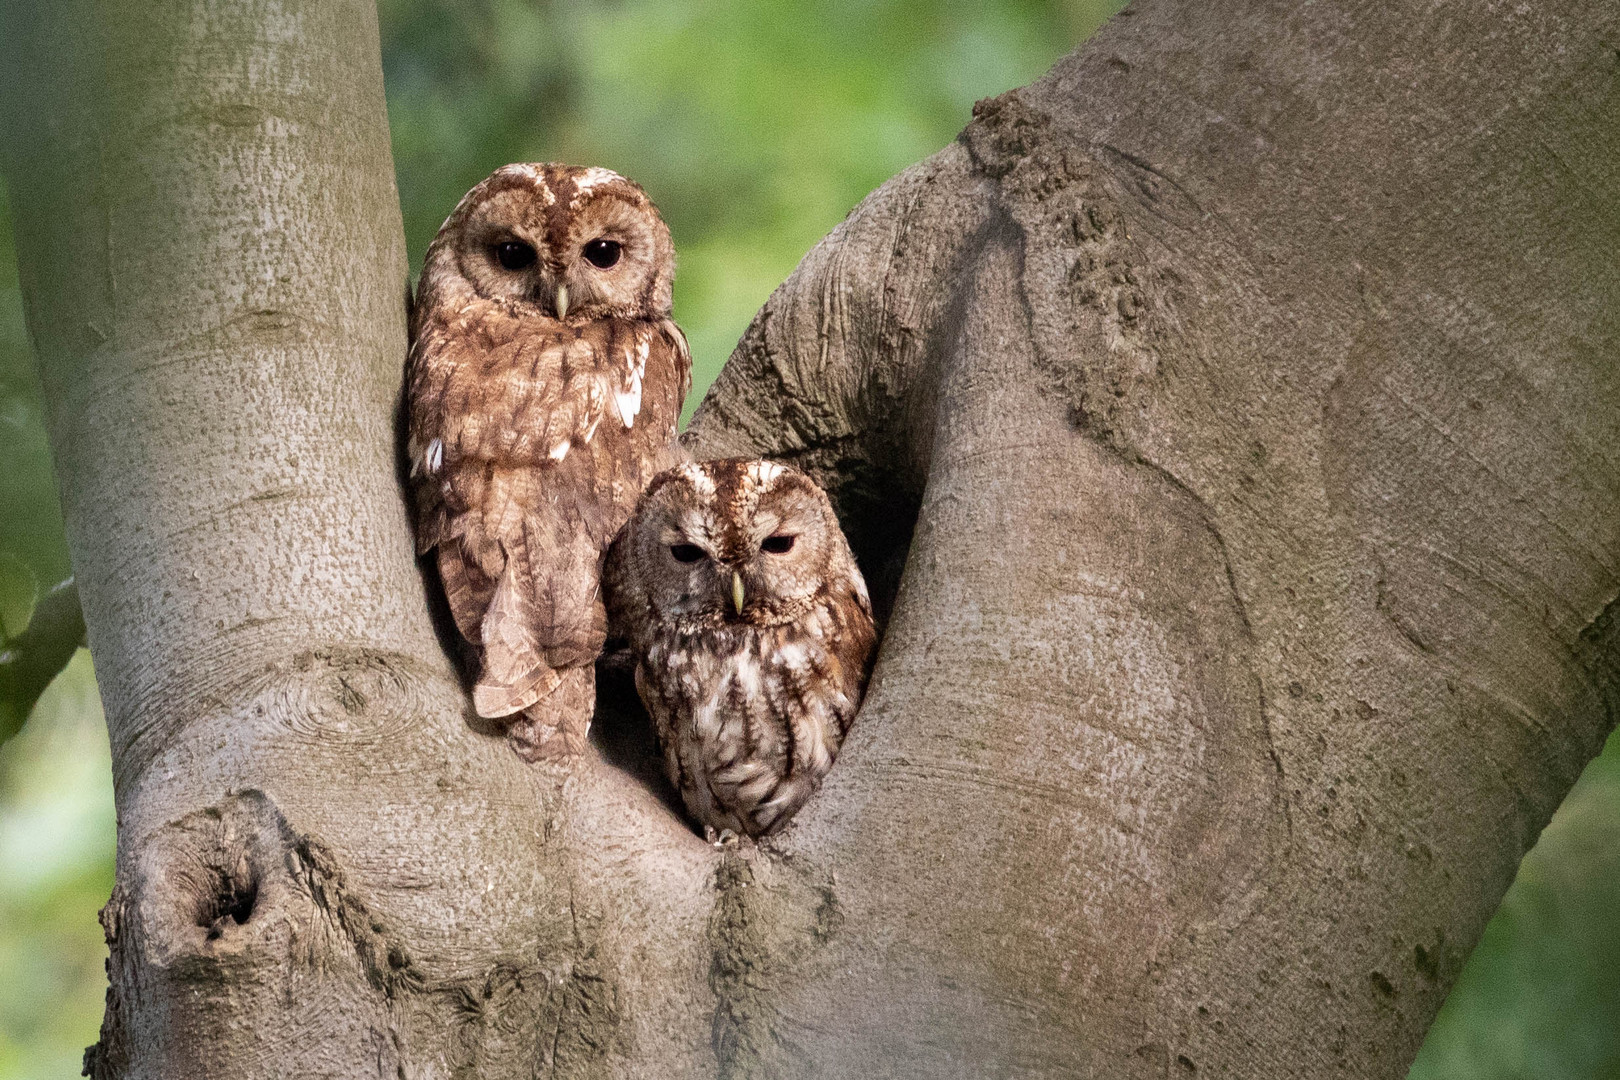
[
  {"x": 554, "y": 727},
  {"x": 494, "y": 700}
]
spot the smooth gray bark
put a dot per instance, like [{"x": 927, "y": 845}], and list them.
[{"x": 1250, "y": 379}]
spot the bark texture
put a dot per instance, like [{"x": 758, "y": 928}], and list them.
[{"x": 1226, "y": 424}]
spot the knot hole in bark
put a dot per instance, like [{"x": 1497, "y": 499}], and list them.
[
  {"x": 232, "y": 911},
  {"x": 211, "y": 871},
  {"x": 231, "y": 900}
]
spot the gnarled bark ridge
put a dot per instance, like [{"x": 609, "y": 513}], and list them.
[{"x": 1226, "y": 423}]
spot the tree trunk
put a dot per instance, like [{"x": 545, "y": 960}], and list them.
[{"x": 1251, "y": 384}]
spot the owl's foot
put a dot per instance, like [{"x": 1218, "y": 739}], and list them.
[{"x": 725, "y": 838}]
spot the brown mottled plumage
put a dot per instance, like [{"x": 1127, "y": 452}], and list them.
[
  {"x": 752, "y": 634},
  {"x": 545, "y": 380}
]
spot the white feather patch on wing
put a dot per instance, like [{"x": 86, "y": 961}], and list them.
[
  {"x": 559, "y": 451},
  {"x": 628, "y": 399}
]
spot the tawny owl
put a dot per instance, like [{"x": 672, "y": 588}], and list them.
[
  {"x": 545, "y": 380},
  {"x": 752, "y": 633}
]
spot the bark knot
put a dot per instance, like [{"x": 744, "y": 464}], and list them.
[
  {"x": 1098, "y": 308},
  {"x": 232, "y": 896}
]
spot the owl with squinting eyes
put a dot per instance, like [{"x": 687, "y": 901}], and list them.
[
  {"x": 544, "y": 384},
  {"x": 752, "y": 633}
]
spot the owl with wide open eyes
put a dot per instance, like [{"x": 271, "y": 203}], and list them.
[
  {"x": 544, "y": 384},
  {"x": 752, "y": 633}
]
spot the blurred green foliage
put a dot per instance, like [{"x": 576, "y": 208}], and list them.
[
  {"x": 1540, "y": 996},
  {"x": 56, "y": 870},
  {"x": 756, "y": 127},
  {"x": 31, "y": 534}
]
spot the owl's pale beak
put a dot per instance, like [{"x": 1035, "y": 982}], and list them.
[
  {"x": 562, "y": 301},
  {"x": 737, "y": 594}
]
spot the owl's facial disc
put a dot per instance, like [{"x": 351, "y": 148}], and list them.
[
  {"x": 690, "y": 574},
  {"x": 600, "y": 253},
  {"x": 614, "y": 257},
  {"x": 593, "y": 269},
  {"x": 565, "y": 242},
  {"x": 712, "y": 576},
  {"x": 784, "y": 553},
  {"x": 736, "y": 541}
]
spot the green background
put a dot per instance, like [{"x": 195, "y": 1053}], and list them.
[{"x": 756, "y": 128}]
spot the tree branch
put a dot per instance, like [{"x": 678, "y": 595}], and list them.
[
  {"x": 33, "y": 658},
  {"x": 1228, "y": 418}
]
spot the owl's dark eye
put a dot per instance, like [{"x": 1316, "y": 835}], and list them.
[
  {"x": 779, "y": 544},
  {"x": 514, "y": 254},
  {"x": 687, "y": 553},
  {"x": 602, "y": 253}
]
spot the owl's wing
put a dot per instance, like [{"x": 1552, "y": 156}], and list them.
[
  {"x": 619, "y": 593},
  {"x": 682, "y": 357},
  {"x": 546, "y": 614},
  {"x": 467, "y": 590},
  {"x": 433, "y": 357},
  {"x": 566, "y": 613},
  {"x": 515, "y": 674},
  {"x": 854, "y": 642}
]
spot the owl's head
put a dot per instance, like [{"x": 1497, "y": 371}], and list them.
[
  {"x": 736, "y": 541},
  {"x": 573, "y": 243}
]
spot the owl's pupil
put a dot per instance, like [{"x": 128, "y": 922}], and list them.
[
  {"x": 687, "y": 553},
  {"x": 780, "y": 544},
  {"x": 514, "y": 254},
  {"x": 602, "y": 253}
]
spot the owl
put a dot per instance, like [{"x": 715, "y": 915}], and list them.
[
  {"x": 544, "y": 383},
  {"x": 752, "y": 633}
]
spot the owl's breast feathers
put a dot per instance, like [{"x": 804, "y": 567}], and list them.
[
  {"x": 585, "y": 410},
  {"x": 530, "y": 440},
  {"x": 519, "y": 389},
  {"x": 752, "y": 717}
]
